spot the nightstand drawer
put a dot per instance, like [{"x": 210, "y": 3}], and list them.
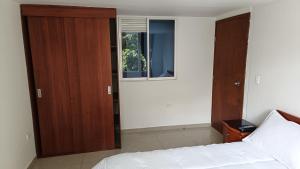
[{"x": 233, "y": 134}]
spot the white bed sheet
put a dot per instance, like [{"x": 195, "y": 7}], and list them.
[{"x": 237, "y": 155}]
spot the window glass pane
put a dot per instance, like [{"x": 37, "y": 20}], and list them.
[
  {"x": 134, "y": 54},
  {"x": 161, "y": 34}
]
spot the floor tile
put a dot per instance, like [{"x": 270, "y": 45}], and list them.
[
  {"x": 173, "y": 139},
  {"x": 134, "y": 142},
  {"x": 91, "y": 159},
  {"x": 59, "y": 162},
  {"x": 141, "y": 141}
]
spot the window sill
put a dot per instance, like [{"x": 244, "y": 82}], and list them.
[{"x": 147, "y": 79}]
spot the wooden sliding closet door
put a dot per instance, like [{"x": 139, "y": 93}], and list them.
[
  {"x": 72, "y": 71},
  {"x": 89, "y": 54},
  {"x": 50, "y": 64}
]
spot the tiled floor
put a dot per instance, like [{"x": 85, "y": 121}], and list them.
[{"x": 132, "y": 142}]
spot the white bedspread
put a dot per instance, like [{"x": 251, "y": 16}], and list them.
[{"x": 237, "y": 155}]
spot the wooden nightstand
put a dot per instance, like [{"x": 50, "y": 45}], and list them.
[{"x": 236, "y": 130}]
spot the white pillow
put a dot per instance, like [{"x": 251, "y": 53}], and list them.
[{"x": 279, "y": 138}]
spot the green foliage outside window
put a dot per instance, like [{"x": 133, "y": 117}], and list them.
[{"x": 133, "y": 59}]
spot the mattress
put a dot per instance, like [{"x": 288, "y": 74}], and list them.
[{"x": 238, "y": 155}]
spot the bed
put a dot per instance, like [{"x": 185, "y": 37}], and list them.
[{"x": 238, "y": 155}]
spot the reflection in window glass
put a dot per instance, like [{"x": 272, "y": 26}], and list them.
[
  {"x": 161, "y": 34},
  {"x": 134, "y": 54}
]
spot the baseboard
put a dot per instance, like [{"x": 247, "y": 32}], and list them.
[
  {"x": 30, "y": 165},
  {"x": 161, "y": 128}
]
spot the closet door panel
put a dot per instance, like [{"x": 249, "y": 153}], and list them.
[
  {"x": 48, "y": 50},
  {"x": 88, "y": 52},
  {"x": 74, "y": 81}
]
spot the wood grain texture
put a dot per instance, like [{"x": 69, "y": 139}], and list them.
[
  {"x": 72, "y": 66},
  {"x": 232, "y": 135},
  {"x": 229, "y": 67},
  {"x": 48, "y": 50},
  {"x": 290, "y": 117},
  {"x": 67, "y": 11},
  {"x": 89, "y": 55}
]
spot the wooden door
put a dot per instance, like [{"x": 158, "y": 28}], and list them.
[
  {"x": 89, "y": 58},
  {"x": 48, "y": 49},
  {"x": 72, "y": 69},
  {"x": 229, "y": 69}
]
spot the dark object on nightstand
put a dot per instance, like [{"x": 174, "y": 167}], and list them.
[{"x": 236, "y": 130}]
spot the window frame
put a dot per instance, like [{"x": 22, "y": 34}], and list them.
[{"x": 148, "y": 78}]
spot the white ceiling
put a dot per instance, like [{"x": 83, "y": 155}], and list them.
[{"x": 160, "y": 7}]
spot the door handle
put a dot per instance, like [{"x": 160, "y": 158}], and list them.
[
  {"x": 39, "y": 93},
  {"x": 237, "y": 83},
  {"x": 109, "y": 90}
]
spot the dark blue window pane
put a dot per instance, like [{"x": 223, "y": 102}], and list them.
[
  {"x": 161, "y": 34},
  {"x": 134, "y": 54}
]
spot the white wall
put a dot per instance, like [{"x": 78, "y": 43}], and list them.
[
  {"x": 274, "y": 53},
  {"x": 15, "y": 115},
  {"x": 184, "y": 101}
]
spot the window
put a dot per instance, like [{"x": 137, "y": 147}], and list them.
[
  {"x": 134, "y": 54},
  {"x": 161, "y": 34},
  {"x": 147, "y": 48}
]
